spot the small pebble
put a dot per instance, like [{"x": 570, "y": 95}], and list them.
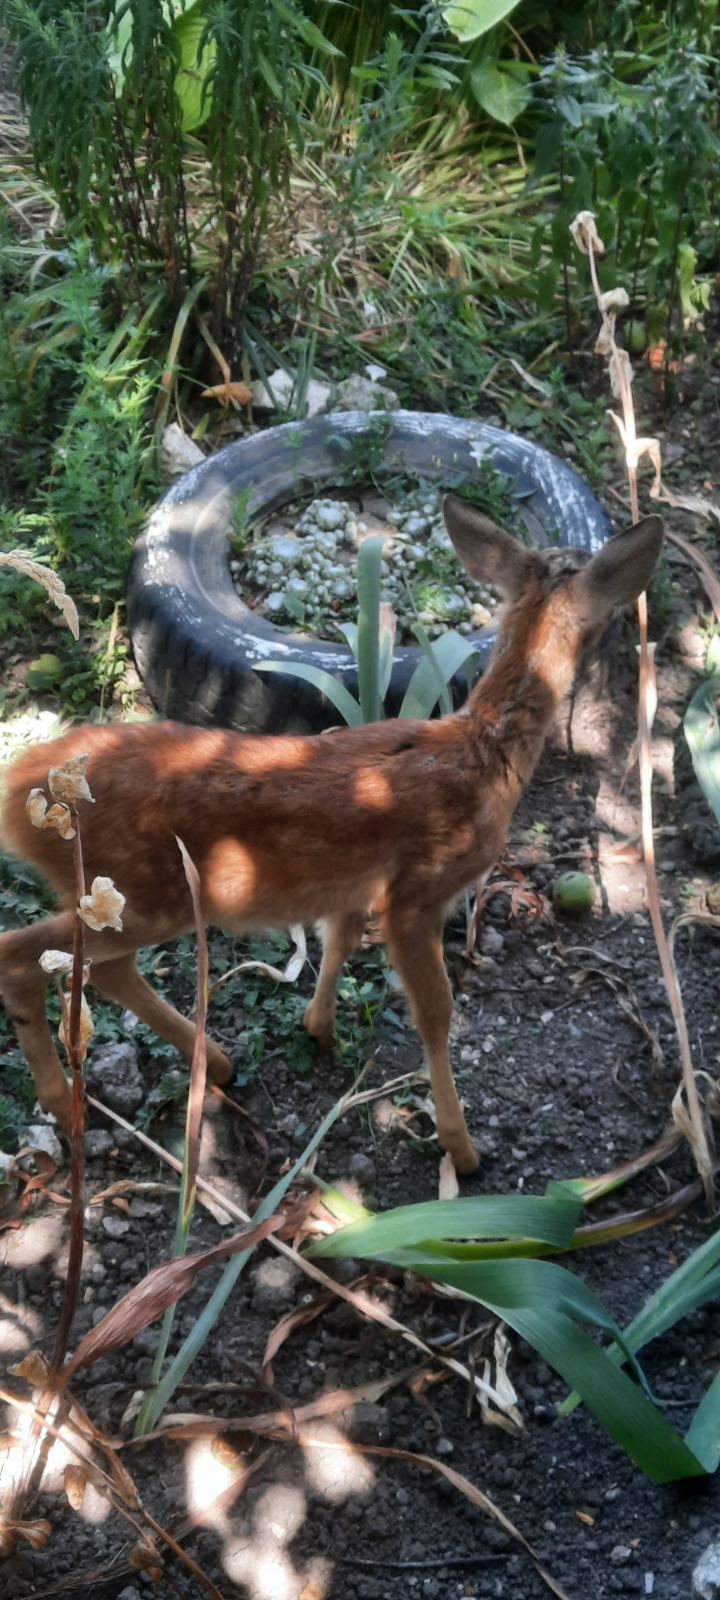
[{"x": 116, "y": 1227}]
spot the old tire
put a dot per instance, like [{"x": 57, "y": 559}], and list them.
[{"x": 197, "y": 645}]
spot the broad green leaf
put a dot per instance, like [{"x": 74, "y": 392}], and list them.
[
  {"x": 331, "y": 687},
  {"x": 551, "y": 1220},
  {"x": 368, "y": 636},
  {"x": 468, "y": 19},
  {"x": 426, "y": 686},
  {"x": 498, "y": 92},
  {"x": 195, "y": 66},
  {"x": 704, "y": 1431},
  {"x": 702, "y": 731}
]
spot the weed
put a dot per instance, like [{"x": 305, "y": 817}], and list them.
[{"x": 240, "y": 522}]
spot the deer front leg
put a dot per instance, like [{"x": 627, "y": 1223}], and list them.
[
  {"x": 119, "y": 980},
  {"x": 340, "y": 936},
  {"x": 415, "y": 949},
  {"x": 23, "y": 986}
]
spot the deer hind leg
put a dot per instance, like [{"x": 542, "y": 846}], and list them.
[
  {"x": 22, "y": 987},
  {"x": 119, "y": 980},
  {"x": 415, "y": 949},
  {"x": 340, "y": 936}
]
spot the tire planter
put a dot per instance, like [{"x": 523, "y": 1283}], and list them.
[{"x": 197, "y": 645}]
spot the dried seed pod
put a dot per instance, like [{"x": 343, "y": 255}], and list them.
[
  {"x": 103, "y": 906},
  {"x": 68, "y": 782}
]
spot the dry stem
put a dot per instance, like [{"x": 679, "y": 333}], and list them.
[{"x": 689, "y": 1115}]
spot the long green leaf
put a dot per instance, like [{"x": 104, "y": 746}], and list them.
[
  {"x": 334, "y": 691},
  {"x": 350, "y": 634},
  {"x": 209, "y": 1316},
  {"x": 693, "y": 1283},
  {"x": 543, "y": 1303},
  {"x": 550, "y": 1220},
  {"x": 368, "y": 638},
  {"x": 702, "y": 731},
  {"x": 432, "y": 675},
  {"x": 428, "y": 684},
  {"x": 386, "y": 647}
]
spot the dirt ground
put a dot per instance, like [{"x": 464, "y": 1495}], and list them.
[{"x": 558, "y": 1080}]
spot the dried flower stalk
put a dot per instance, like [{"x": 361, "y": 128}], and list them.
[{"x": 686, "y": 1108}]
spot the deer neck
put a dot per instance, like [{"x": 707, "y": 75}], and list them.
[{"x": 513, "y": 706}]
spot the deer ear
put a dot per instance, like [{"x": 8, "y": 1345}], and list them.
[
  {"x": 622, "y": 568},
  {"x": 486, "y": 552}
]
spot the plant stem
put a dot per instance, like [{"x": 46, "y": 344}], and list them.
[{"x": 77, "y": 1132}]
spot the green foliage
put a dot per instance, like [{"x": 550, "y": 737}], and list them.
[
  {"x": 165, "y": 133},
  {"x": 633, "y": 137}
]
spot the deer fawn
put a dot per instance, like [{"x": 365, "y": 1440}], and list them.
[{"x": 396, "y": 818}]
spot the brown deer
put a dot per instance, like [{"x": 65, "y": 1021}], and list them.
[{"x": 394, "y": 819}]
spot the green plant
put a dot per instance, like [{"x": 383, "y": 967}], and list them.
[
  {"x": 165, "y": 132},
  {"x": 548, "y": 1306},
  {"x": 633, "y": 137},
  {"x": 371, "y": 641}
]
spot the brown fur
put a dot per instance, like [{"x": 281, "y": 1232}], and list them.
[{"x": 397, "y": 819}]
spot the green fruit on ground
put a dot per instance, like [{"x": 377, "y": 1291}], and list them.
[
  {"x": 573, "y": 893},
  {"x": 636, "y": 334},
  {"x": 43, "y": 670}
]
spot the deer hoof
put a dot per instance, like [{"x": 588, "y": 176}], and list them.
[
  {"x": 464, "y": 1155},
  {"x": 220, "y": 1068},
  {"x": 321, "y": 1030}
]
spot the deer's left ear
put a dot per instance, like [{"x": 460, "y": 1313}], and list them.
[
  {"x": 622, "y": 568},
  {"x": 487, "y": 553}
]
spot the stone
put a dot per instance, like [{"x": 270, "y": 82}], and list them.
[
  {"x": 115, "y": 1074},
  {"x": 281, "y": 384},
  {"x": 706, "y": 1575},
  {"x": 362, "y": 1169},
  {"x": 178, "y": 452},
  {"x": 116, "y": 1227},
  {"x": 363, "y": 394},
  {"x": 492, "y": 942},
  {"x": 620, "y": 1553},
  {"x": 98, "y": 1142},
  {"x": 274, "y": 1284},
  {"x": 366, "y": 1423},
  {"x": 42, "y": 1136}
]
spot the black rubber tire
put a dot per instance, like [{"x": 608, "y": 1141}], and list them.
[{"x": 197, "y": 645}]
